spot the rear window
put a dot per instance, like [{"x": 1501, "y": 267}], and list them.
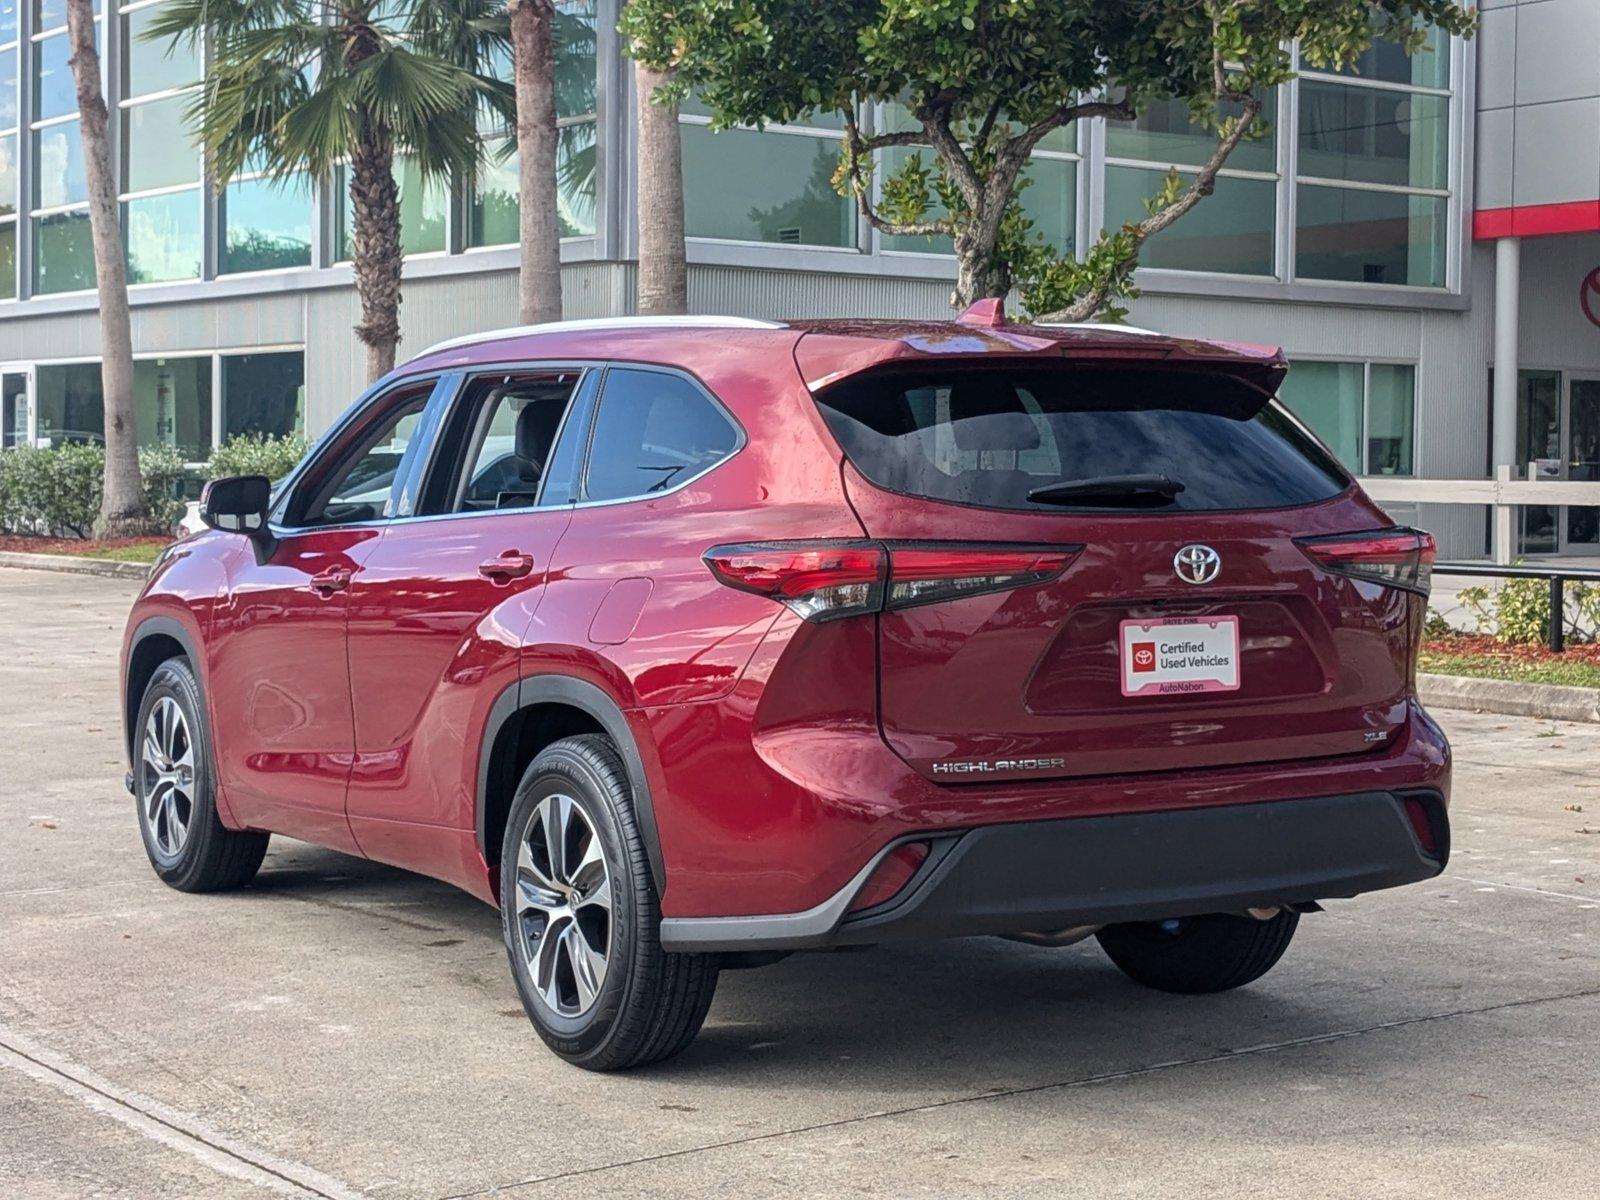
[{"x": 989, "y": 437}]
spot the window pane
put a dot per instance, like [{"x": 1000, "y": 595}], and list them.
[
  {"x": 263, "y": 394},
  {"x": 1165, "y": 134},
  {"x": 362, "y": 488},
  {"x": 423, "y": 209},
  {"x": 55, "y": 94},
  {"x": 764, "y": 187},
  {"x": 1051, "y": 200},
  {"x": 266, "y": 225},
  {"x": 8, "y": 21},
  {"x": 8, "y": 87},
  {"x": 58, "y": 166},
  {"x": 13, "y": 410},
  {"x": 70, "y": 405},
  {"x": 1231, "y": 230},
  {"x": 8, "y": 261},
  {"x": 1429, "y": 67},
  {"x": 1391, "y": 419},
  {"x": 163, "y": 235},
  {"x": 890, "y": 161},
  {"x": 653, "y": 432},
  {"x": 63, "y": 254},
  {"x": 575, "y": 58},
  {"x": 154, "y": 66},
  {"x": 172, "y": 404},
  {"x": 1370, "y": 237},
  {"x": 8, "y": 175},
  {"x": 157, "y": 148},
  {"x": 1327, "y": 397},
  {"x": 1374, "y": 136},
  {"x": 495, "y": 207},
  {"x": 47, "y": 14},
  {"x": 509, "y": 466}
]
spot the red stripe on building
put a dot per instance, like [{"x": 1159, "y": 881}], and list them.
[{"x": 1537, "y": 220}]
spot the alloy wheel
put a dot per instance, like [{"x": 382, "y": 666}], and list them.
[
  {"x": 563, "y": 906},
  {"x": 167, "y": 776}
]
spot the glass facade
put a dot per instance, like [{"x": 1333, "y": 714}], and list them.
[
  {"x": 10, "y": 175},
  {"x": 492, "y": 201},
  {"x": 266, "y": 225},
  {"x": 263, "y": 394},
  {"x": 424, "y": 212},
  {"x": 163, "y": 200},
  {"x": 1364, "y": 412}
]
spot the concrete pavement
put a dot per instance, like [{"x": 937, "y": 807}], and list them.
[{"x": 343, "y": 1029}]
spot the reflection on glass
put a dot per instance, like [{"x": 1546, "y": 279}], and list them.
[
  {"x": 70, "y": 404},
  {"x": 263, "y": 394},
  {"x": 1327, "y": 397},
  {"x": 8, "y": 175},
  {"x": 1165, "y": 134},
  {"x": 8, "y": 87},
  {"x": 1583, "y": 458},
  {"x": 172, "y": 404},
  {"x": 54, "y": 92},
  {"x": 764, "y": 187},
  {"x": 1232, "y": 231},
  {"x": 8, "y": 261},
  {"x": 157, "y": 150},
  {"x": 1391, "y": 419},
  {"x": 1538, "y": 436},
  {"x": 58, "y": 166},
  {"x": 495, "y": 207},
  {"x": 1370, "y": 237},
  {"x": 8, "y": 21},
  {"x": 424, "y": 208},
  {"x": 1374, "y": 136},
  {"x": 163, "y": 234},
  {"x": 1386, "y": 61},
  {"x": 266, "y": 226},
  {"x": 63, "y": 255},
  {"x": 157, "y": 66}
]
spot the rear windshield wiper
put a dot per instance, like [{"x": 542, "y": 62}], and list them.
[{"x": 1110, "y": 489}]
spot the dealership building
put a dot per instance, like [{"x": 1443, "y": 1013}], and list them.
[{"x": 1410, "y": 225}]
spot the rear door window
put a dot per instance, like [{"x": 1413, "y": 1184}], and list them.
[
  {"x": 654, "y": 431},
  {"x": 989, "y": 437}
]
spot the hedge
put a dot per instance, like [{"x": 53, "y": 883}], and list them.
[{"x": 56, "y": 492}]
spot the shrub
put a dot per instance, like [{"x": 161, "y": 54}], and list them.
[
  {"x": 56, "y": 492},
  {"x": 256, "y": 454},
  {"x": 1518, "y": 611}
]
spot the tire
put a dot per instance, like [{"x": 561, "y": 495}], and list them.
[
  {"x": 1197, "y": 955},
  {"x": 174, "y": 787},
  {"x": 639, "y": 1004}
]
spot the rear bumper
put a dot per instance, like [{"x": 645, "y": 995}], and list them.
[{"x": 1040, "y": 876}]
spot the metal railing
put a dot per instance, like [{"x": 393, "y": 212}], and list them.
[{"x": 1557, "y": 576}]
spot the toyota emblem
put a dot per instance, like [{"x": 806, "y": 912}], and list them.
[{"x": 1197, "y": 564}]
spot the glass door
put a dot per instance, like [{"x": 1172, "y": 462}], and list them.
[
  {"x": 1539, "y": 429},
  {"x": 16, "y": 407},
  {"x": 1581, "y": 524}
]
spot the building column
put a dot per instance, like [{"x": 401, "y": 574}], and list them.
[{"x": 1507, "y": 315}]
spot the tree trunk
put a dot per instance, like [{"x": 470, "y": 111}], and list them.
[
  {"x": 663, "y": 270},
  {"x": 979, "y": 273},
  {"x": 533, "y": 52},
  {"x": 122, "y": 503},
  {"x": 376, "y": 254}
]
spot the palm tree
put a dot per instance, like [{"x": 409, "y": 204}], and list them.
[
  {"x": 122, "y": 509},
  {"x": 310, "y": 85},
  {"x": 534, "y": 67},
  {"x": 663, "y": 268}
]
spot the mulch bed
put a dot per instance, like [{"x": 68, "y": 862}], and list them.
[
  {"x": 1483, "y": 646},
  {"x": 17, "y": 544}
]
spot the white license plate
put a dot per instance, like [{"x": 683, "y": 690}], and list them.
[{"x": 1179, "y": 655}]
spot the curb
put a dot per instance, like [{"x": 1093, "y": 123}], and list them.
[
  {"x": 1550, "y": 701},
  {"x": 67, "y": 564}
]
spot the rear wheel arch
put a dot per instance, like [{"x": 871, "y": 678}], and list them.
[
  {"x": 157, "y": 640},
  {"x": 537, "y": 712}
]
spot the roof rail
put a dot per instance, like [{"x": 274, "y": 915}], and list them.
[
  {"x": 594, "y": 323},
  {"x": 1098, "y": 327}
]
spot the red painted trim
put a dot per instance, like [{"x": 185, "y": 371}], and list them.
[{"x": 1537, "y": 220}]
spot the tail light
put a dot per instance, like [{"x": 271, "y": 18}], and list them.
[
  {"x": 1400, "y": 558},
  {"x": 825, "y": 581}
]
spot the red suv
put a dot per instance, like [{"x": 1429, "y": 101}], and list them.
[{"x": 693, "y": 642}]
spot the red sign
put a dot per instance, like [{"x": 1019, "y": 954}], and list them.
[{"x": 1589, "y": 296}]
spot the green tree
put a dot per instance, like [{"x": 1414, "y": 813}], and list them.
[
  {"x": 985, "y": 81},
  {"x": 310, "y": 85}
]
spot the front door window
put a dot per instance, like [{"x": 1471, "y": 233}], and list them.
[
  {"x": 1583, "y": 459},
  {"x": 13, "y": 410}
]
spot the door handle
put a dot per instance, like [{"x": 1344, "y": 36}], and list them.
[
  {"x": 512, "y": 564},
  {"x": 334, "y": 579}
]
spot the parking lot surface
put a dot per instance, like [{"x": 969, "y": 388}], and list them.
[{"x": 341, "y": 1029}]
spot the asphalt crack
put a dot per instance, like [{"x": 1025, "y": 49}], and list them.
[{"x": 1315, "y": 1039}]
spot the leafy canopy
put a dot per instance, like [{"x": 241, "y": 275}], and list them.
[{"x": 984, "y": 81}]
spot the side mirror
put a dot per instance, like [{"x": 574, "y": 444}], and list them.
[{"x": 239, "y": 504}]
